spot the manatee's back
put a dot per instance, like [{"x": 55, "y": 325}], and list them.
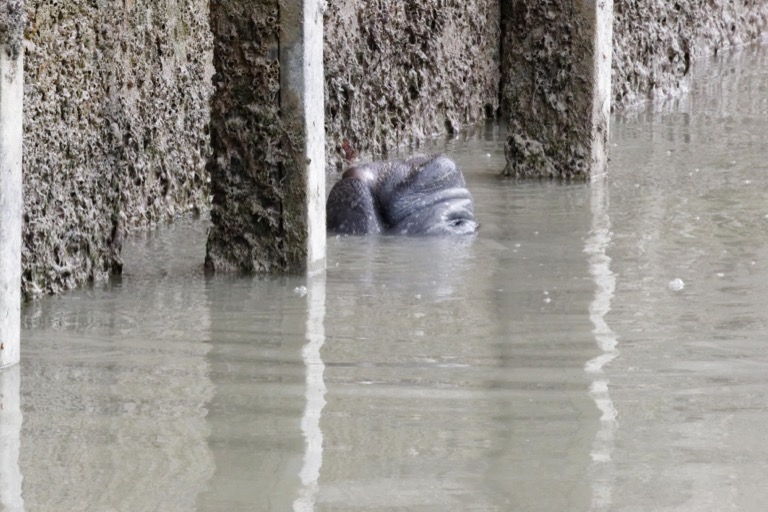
[{"x": 351, "y": 209}]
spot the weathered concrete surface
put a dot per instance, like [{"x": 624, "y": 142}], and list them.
[
  {"x": 117, "y": 101},
  {"x": 116, "y": 111},
  {"x": 398, "y": 72},
  {"x": 247, "y": 179},
  {"x": 657, "y": 41},
  {"x": 548, "y": 88},
  {"x": 12, "y": 17}
]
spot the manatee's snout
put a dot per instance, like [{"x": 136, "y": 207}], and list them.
[
  {"x": 458, "y": 218},
  {"x": 452, "y": 216}
]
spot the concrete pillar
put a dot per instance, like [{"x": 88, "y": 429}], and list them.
[
  {"x": 268, "y": 137},
  {"x": 556, "y": 72},
  {"x": 11, "y": 114}
]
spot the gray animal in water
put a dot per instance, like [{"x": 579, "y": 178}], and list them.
[{"x": 424, "y": 195}]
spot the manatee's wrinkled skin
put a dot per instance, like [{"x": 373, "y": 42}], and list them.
[{"x": 424, "y": 195}]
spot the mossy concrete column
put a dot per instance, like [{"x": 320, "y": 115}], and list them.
[
  {"x": 11, "y": 115},
  {"x": 556, "y": 69},
  {"x": 267, "y": 136}
]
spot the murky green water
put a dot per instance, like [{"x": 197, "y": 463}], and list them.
[{"x": 595, "y": 347}]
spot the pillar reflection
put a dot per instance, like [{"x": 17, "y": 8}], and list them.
[
  {"x": 599, "y": 390},
  {"x": 10, "y": 440},
  {"x": 315, "y": 395}
]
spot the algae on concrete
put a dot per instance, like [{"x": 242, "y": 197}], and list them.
[
  {"x": 117, "y": 102},
  {"x": 12, "y": 19},
  {"x": 547, "y": 89},
  {"x": 247, "y": 138},
  {"x": 400, "y": 72},
  {"x": 116, "y": 114},
  {"x": 656, "y": 42}
]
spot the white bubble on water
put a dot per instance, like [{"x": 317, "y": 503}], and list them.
[{"x": 676, "y": 284}]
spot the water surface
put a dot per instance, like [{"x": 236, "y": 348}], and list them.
[{"x": 596, "y": 347}]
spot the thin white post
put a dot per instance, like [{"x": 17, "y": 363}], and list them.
[
  {"x": 601, "y": 103},
  {"x": 11, "y": 114},
  {"x": 303, "y": 102}
]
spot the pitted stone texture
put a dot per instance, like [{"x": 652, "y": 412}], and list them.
[
  {"x": 398, "y": 72},
  {"x": 657, "y": 41},
  {"x": 12, "y": 26},
  {"x": 547, "y": 76},
  {"x": 116, "y": 111},
  {"x": 252, "y": 145},
  {"x": 548, "y": 71}
]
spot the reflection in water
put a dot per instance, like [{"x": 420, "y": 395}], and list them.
[
  {"x": 115, "y": 382},
  {"x": 10, "y": 440},
  {"x": 405, "y": 358},
  {"x": 605, "y": 281},
  {"x": 315, "y": 393}
]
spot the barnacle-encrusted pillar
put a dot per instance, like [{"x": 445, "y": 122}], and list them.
[
  {"x": 556, "y": 68},
  {"x": 11, "y": 115},
  {"x": 267, "y": 136}
]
